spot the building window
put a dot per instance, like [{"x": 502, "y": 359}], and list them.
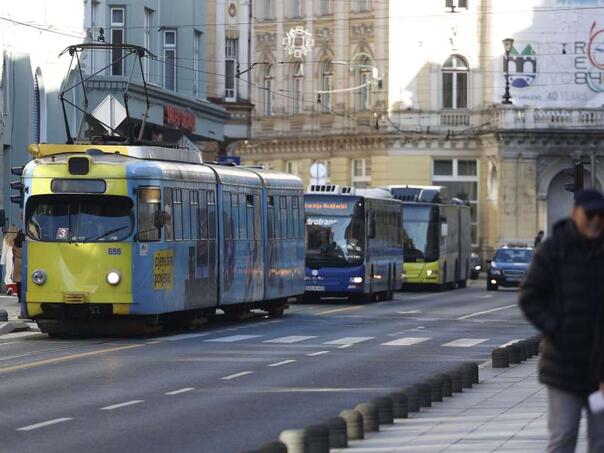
[
  {"x": 196, "y": 64},
  {"x": 147, "y": 38},
  {"x": 326, "y": 85},
  {"x": 455, "y": 83},
  {"x": 93, "y": 31},
  {"x": 361, "y": 173},
  {"x": 320, "y": 172},
  {"x": 292, "y": 167},
  {"x": 268, "y": 90},
  {"x": 230, "y": 66},
  {"x": 460, "y": 177},
  {"x": 364, "y": 79},
  {"x": 362, "y": 5},
  {"x": 452, "y": 4},
  {"x": 118, "y": 22},
  {"x": 297, "y": 88},
  {"x": 170, "y": 60},
  {"x": 324, "y": 7},
  {"x": 265, "y": 9},
  {"x": 295, "y": 8}
]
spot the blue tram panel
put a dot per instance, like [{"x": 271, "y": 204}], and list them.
[{"x": 354, "y": 242}]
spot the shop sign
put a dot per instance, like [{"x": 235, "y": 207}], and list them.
[{"x": 177, "y": 117}]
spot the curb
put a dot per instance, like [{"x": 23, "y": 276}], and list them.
[
  {"x": 13, "y": 326},
  {"x": 366, "y": 417}
]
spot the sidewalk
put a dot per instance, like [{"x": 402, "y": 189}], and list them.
[
  {"x": 14, "y": 324},
  {"x": 506, "y": 412},
  {"x": 10, "y": 304}
]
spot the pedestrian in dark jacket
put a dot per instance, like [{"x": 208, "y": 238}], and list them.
[
  {"x": 538, "y": 239},
  {"x": 563, "y": 296}
]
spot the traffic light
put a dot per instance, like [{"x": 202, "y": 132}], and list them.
[
  {"x": 577, "y": 174},
  {"x": 17, "y": 185}
]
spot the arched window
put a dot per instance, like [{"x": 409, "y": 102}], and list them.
[
  {"x": 268, "y": 90},
  {"x": 297, "y": 87},
  {"x": 364, "y": 75},
  {"x": 455, "y": 83},
  {"x": 326, "y": 85},
  {"x": 39, "y": 109}
]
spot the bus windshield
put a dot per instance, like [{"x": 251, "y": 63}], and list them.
[
  {"x": 421, "y": 241},
  {"x": 77, "y": 218},
  {"x": 334, "y": 240}
]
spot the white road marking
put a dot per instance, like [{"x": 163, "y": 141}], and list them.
[
  {"x": 285, "y": 362},
  {"x": 314, "y": 354},
  {"x": 184, "y": 336},
  {"x": 8, "y": 342},
  {"x": 46, "y": 423},
  {"x": 509, "y": 343},
  {"x": 349, "y": 340},
  {"x": 120, "y": 405},
  {"x": 236, "y": 375},
  {"x": 179, "y": 391},
  {"x": 344, "y": 346},
  {"x": 233, "y": 338},
  {"x": 409, "y": 312},
  {"x": 464, "y": 342},
  {"x": 409, "y": 341},
  {"x": 291, "y": 339},
  {"x": 338, "y": 310},
  {"x": 485, "y": 296},
  {"x": 472, "y": 315}
]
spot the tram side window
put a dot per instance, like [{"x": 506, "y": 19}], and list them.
[
  {"x": 149, "y": 205},
  {"x": 242, "y": 217},
  {"x": 226, "y": 213},
  {"x": 249, "y": 207},
  {"x": 194, "y": 213},
  {"x": 186, "y": 214},
  {"x": 203, "y": 215},
  {"x": 169, "y": 214},
  {"x": 235, "y": 215},
  {"x": 211, "y": 215},
  {"x": 270, "y": 207},
  {"x": 257, "y": 218},
  {"x": 283, "y": 221},
  {"x": 177, "y": 213}
]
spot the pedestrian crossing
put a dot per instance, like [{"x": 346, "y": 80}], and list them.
[{"x": 313, "y": 340}]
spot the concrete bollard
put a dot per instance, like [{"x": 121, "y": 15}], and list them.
[
  {"x": 425, "y": 394},
  {"x": 514, "y": 352},
  {"x": 473, "y": 369},
  {"x": 523, "y": 350},
  {"x": 456, "y": 380},
  {"x": 370, "y": 417},
  {"x": 354, "y": 424},
  {"x": 384, "y": 407},
  {"x": 337, "y": 432},
  {"x": 273, "y": 447},
  {"x": 3, "y": 315},
  {"x": 436, "y": 386},
  {"x": 447, "y": 387},
  {"x": 294, "y": 440},
  {"x": 535, "y": 341},
  {"x": 400, "y": 406},
  {"x": 317, "y": 439},
  {"x": 500, "y": 358},
  {"x": 467, "y": 378},
  {"x": 413, "y": 399}
]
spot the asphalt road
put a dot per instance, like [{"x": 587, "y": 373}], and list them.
[{"x": 228, "y": 387}]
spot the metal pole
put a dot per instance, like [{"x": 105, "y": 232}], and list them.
[{"x": 507, "y": 96}]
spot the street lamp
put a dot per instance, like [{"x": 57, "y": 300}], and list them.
[{"x": 508, "y": 44}]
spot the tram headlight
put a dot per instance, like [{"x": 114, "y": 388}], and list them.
[
  {"x": 356, "y": 280},
  {"x": 113, "y": 278},
  {"x": 431, "y": 273},
  {"x": 38, "y": 277}
]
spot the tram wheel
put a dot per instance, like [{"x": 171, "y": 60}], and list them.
[{"x": 276, "y": 311}]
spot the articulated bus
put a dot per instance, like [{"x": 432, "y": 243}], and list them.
[
  {"x": 354, "y": 243},
  {"x": 437, "y": 237}
]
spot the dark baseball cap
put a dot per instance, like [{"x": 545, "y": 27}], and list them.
[{"x": 590, "y": 200}]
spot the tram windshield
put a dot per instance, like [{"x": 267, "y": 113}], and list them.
[
  {"x": 77, "y": 218},
  {"x": 334, "y": 240},
  {"x": 421, "y": 233}
]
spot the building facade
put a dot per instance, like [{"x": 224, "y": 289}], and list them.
[{"x": 434, "y": 112}]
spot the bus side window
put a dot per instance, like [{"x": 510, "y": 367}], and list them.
[
  {"x": 168, "y": 209},
  {"x": 211, "y": 214},
  {"x": 149, "y": 208}
]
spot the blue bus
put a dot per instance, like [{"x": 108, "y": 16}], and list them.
[{"x": 353, "y": 243}]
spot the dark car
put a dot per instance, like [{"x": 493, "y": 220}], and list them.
[
  {"x": 508, "y": 267},
  {"x": 475, "y": 266}
]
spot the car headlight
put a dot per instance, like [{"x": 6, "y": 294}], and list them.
[
  {"x": 477, "y": 267},
  {"x": 38, "y": 277},
  {"x": 356, "y": 280},
  {"x": 113, "y": 278}
]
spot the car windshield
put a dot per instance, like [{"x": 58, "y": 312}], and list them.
[
  {"x": 76, "y": 218},
  {"x": 513, "y": 256},
  {"x": 334, "y": 240},
  {"x": 420, "y": 234}
]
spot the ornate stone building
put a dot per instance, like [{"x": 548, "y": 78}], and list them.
[{"x": 419, "y": 101}]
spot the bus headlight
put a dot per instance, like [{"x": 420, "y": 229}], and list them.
[
  {"x": 38, "y": 277},
  {"x": 113, "y": 278},
  {"x": 356, "y": 280}
]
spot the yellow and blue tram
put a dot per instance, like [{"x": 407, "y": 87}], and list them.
[{"x": 120, "y": 234}]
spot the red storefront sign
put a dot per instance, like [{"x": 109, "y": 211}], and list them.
[{"x": 183, "y": 119}]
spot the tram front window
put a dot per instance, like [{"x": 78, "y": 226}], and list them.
[
  {"x": 421, "y": 234},
  {"x": 77, "y": 218},
  {"x": 334, "y": 240}
]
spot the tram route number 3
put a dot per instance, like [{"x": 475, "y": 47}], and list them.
[{"x": 163, "y": 269}]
